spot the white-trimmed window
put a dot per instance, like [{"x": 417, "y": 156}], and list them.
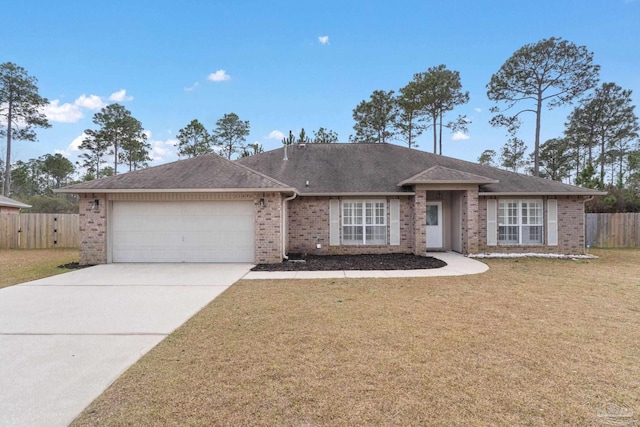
[
  {"x": 520, "y": 222},
  {"x": 364, "y": 222}
]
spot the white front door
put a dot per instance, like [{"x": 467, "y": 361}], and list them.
[{"x": 434, "y": 225}]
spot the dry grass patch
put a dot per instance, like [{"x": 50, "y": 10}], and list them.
[
  {"x": 23, "y": 265},
  {"x": 531, "y": 342}
]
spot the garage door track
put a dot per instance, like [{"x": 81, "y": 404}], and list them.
[{"x": 66, "y": 338}]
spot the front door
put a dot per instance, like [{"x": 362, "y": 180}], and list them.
[{"x": 434, "y": 225}]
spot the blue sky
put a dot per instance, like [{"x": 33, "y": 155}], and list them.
[{"x": 289, "y": 64}]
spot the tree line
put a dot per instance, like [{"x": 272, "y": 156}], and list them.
[
  {"x": 420, "y": 105},
  {"x": 120, "y": 135},
  {"x": 599, "y": 147}
]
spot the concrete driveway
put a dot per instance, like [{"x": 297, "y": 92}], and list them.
[{"x": 65, "y": 339}]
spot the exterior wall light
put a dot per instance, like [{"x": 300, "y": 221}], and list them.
[{"x": 262, "y": 203}]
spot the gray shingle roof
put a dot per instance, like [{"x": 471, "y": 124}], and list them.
[
  {"x": 207, "y": 172},
  {"x": 440, "y": 175},
  {"x": 379, "y": 168},
  {"x": 5, "y": 201},
  {"x": 326, "y": 169}
]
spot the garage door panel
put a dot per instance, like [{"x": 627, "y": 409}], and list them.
[
  {"x": 139, "y": 239},
  {"x": 183, "y": 232}
]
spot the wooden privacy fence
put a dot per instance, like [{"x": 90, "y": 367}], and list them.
[
  {"x": 617, "y": 230},
  {"x": 38, "y": 231}
]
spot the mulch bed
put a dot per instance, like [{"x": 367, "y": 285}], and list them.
[
  {"x": 74, "y": 265},
  {"x": 303, "y": 262}
]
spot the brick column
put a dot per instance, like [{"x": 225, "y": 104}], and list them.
[
  {"x": 93, "y": 229},
  {"x": 420, "y": 222},
  {"x": 470, "y": 222},
  {"x": 268, "y": 229}
]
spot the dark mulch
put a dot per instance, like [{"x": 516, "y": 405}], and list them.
[
  {"x": 301, "y": 262},
  {"x": 74, "y": 265}
]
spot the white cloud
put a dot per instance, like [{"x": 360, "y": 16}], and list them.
[
  {"x": 73, "y": 147},
  {"x": 323, "y": 39},
  {"x": 478, "y": 110},
  {"x": 192, "y": 87},
  {"x": 65, "y": 113},
  {"x": 276, "y": 134},
  {"x": 120, "y": 96},
  {"x": 75, "y": 144},
  {"x": 219, "y": 76},
  {"x": 91, "y": 102},
  {"x": 459, "y": 136},
  {"x": 162, "y": 150}
]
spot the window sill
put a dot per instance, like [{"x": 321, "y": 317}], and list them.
[
  {"x": 518, "y": 245},
  {"x": 365, "y": 245}
]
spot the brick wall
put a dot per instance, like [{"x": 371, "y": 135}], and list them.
[
  {"x": 308, "y": 221},
  {"x": 308, "y": 225},
  {"x": 268, "y": 224},
  {"x": 93, "y": 229},
  {"x": 571, "y": 238}
]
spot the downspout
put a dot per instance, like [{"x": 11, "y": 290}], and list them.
[
  {"x": 587, "y": 244},
  {"x": 284, "y": 220}
]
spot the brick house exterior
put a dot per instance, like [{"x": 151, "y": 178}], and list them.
[{"x": 326, "y": 199}]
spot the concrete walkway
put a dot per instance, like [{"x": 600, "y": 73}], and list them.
[
  {"x": 66, "y": 338},
  {"x": 457, "y": 265}
]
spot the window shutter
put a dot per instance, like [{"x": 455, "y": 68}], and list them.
[
  {"x": 334, "y": 222},
  {"x": 492, "y": 222},
  {"x": 552, "y": 222},
  {"x": 394, "y": 222}
]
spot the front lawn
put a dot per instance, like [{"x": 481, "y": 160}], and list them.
[
  {"x": 22, "y": 265},
  {"x": 531, "y": 342}
]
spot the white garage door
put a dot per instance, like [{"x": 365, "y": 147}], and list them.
[{"x": 182, "y": 232}]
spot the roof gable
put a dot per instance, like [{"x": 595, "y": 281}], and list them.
[
  {"x": 209, "y": 172},
  {"x": 443, "y": 175}
]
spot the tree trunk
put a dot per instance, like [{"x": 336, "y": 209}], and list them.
[
  {"x": 602, "y": 157},
  {"x": 435, "y": 134},
  {"x": 536, "y": 150},
  {"x": 116, "y": 142},
  {"x": 7, "y": 166},
  {"x": 410, "y": 130},
  {"x": 440, "y": 138},
  {"x": 590, "y": 146}
]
